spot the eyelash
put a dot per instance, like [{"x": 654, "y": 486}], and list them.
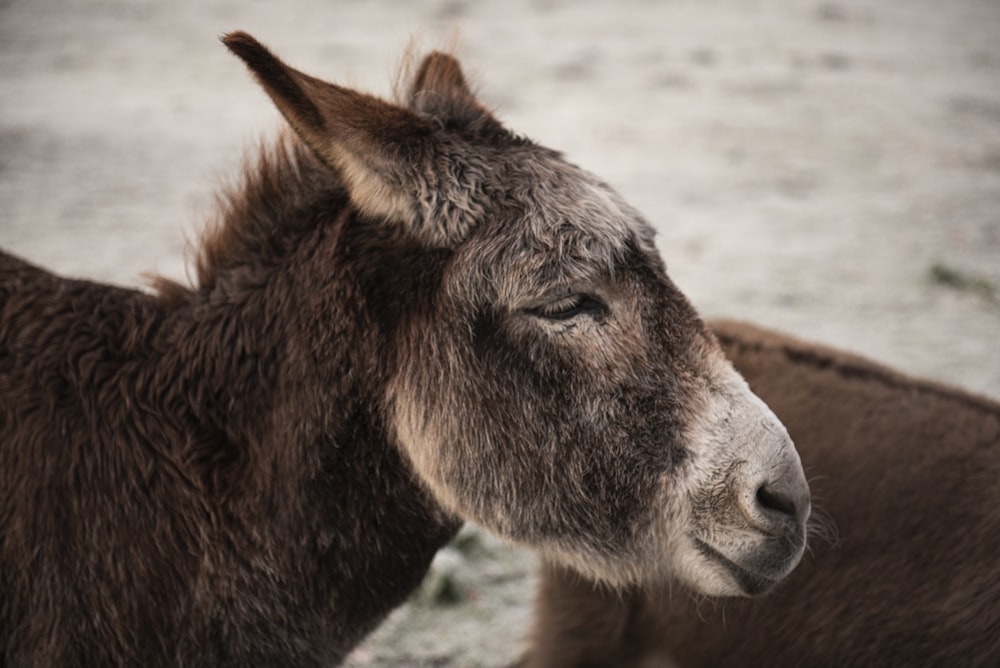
[{"x": 569, "y": 307}]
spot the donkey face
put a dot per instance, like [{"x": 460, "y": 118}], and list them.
[{"x": 556, "y": 387}]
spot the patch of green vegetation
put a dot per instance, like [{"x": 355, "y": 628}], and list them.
[{"x": 956, "y": 279}]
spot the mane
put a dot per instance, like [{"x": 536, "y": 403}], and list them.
[{"x": 259, "y": 214}]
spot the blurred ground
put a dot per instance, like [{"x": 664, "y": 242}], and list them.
[{"x": 828, "y": 168}]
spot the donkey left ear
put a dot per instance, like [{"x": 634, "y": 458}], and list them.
[
  {"x": 381, "y": 150},
  {"x": 439, "y": 90}
]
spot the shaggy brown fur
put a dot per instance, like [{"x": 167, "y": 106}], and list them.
[
  {"x": 181, "y": 479},
  {"x": 406, "y": 316},
  {"x": 907, "y": 470}
]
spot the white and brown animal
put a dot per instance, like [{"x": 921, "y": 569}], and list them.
[
  {"x": 909, "y": 472},
  {"x": 406, "y": 316}
]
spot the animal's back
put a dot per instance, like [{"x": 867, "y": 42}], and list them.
[
  {"x": 908, "y": 473},
  {"x": 63, "y": 345},
  {"x": 74, "y": 357}
]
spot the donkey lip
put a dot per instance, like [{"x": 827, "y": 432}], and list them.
[{"x": 751, "y": 582}]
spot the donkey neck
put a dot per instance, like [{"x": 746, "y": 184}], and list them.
[
  {"x": 284, "y": 352},
  {"x": 235, "y": 329}
]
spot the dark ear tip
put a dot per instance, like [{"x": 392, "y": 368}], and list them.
[
  {"x": 441, "y": 57},
  {"x": 442, "y": 66},
  {"x": 242, "y": 44}
]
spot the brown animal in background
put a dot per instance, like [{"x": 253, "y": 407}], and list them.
[
  {"x": 406, "y": 317},
  {"x": 909, "y": 472}
]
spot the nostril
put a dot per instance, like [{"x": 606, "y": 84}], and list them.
[{"x": 775, "y": 502}]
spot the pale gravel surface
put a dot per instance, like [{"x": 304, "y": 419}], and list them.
[{"x": 806, "y": 164}]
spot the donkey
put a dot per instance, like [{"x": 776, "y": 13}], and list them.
[
  {"x": 405, "y": 317},
  {"x": 906, "y": 469}
]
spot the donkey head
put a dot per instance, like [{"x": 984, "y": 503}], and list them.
[{"x": 553, "y": 385}]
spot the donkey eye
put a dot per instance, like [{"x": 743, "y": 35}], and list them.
[{"x": 569, "y": 307}]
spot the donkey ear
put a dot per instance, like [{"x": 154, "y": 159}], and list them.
[
  {"x": 377, "y": 147},
  {"x": 439, "y": 90}
]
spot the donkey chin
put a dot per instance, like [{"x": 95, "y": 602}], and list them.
[{"x": 748, "y": 505}]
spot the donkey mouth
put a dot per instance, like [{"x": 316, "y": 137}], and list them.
[{"x": 751, "y": 581}]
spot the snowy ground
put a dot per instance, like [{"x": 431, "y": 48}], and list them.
[{"x": 828, "y": 168}]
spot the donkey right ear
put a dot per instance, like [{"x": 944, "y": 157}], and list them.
[
  {"x": 439, "y": 90},
  {"x": 379, "y": 149}
]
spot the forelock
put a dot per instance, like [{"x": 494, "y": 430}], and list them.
[{"x": 553, "y": 223}]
